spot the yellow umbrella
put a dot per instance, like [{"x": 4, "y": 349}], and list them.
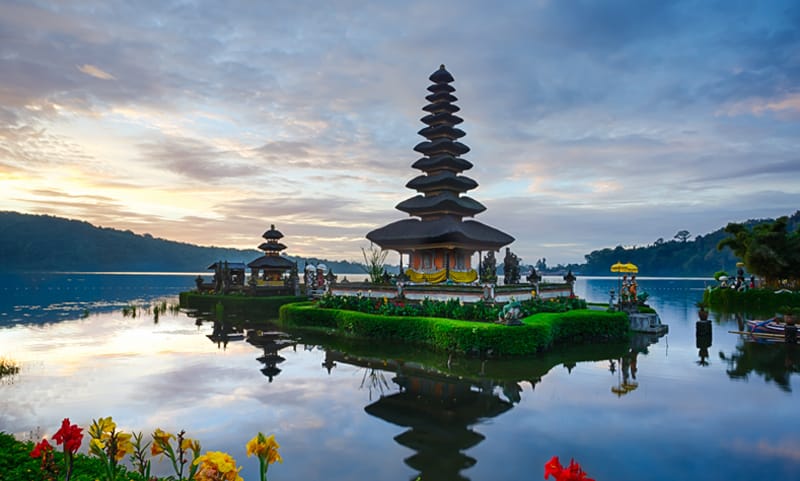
[
  {"x": 631, "y": 268},
  {"x": 618, "y": 267}
]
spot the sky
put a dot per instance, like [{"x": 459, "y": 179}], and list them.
[{"x": 591, "y": 124}]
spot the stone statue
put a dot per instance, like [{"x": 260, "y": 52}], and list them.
[
  {"x": 330, "y": 278},
  {"x": 533, "y": 277},
  {"x": 510, "y": 314},
  {"x": 310, "y": 277},
  {"x": 489, "y": 268},
  {"x": 321, "y": 270},
  {"x": 570, "y": 280},
  {"x": 511, "y": 267}
]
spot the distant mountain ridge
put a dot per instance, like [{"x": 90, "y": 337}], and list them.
[
  {"x": 48, "y": 243},
  {"x": 698, "y": 257}
]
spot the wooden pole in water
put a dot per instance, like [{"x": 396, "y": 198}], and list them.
[{"x": 790, "y": 333}]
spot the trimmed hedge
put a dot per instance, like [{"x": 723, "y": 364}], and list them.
[
  {"x": 753, "y": 300},
  {"x": 537, "y": 333},
  {"x": 264, "y": 306}
]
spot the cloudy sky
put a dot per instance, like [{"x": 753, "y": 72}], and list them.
[{"x": 591, "y": 123}]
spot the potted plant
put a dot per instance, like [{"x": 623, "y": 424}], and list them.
[
  {"x": 791, "y": 316},
  {"x": 702, "y": 312},
  {"x": 784, "y": 313}
]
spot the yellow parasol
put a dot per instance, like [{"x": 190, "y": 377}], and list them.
[
  {"x": 631, "y": 268},
  {"x": 618, "y": 267}
]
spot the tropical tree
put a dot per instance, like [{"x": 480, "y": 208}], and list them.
[
  {"x": 683, "y": 235},
  {"x": 768, "y": 249}
]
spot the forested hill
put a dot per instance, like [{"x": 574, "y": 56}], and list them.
[
  {"x": 681, "y": 256},
  {"x": 47, "y": 243}
]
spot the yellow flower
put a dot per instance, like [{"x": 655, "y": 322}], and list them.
[
  {"x": 272, "y": 451},
  {"x": 96, "y": 444},
  {"x": 102, "y": 428},
  {"x": 189, "y": 444},
  {"x": 254, "y": 446},
  {"x": 124, "y": 446},
  {"x": 216, "y": 466},
  {"x": 265, "y": 448},
  {"x": 162, "y": 436},
  {"x": 160, "y": 441}
]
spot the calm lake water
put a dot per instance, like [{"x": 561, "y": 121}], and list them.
[{"x": 658, "y": 409}]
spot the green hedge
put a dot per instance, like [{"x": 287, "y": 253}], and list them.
[
  {"x": 264, "y": 306},
  {"x": 537, "y": 333},
  {"x": 753, "y": 300}
]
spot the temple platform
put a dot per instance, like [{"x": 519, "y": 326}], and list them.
[
  {"x": 444, "y": 292},
  {"x": 647, "y": 322}
]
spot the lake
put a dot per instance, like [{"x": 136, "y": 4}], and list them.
[{"x": 658, "y": 409}]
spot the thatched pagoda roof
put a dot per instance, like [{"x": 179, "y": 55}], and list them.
[
  {"x": 271, "y": 262},
  {"x": 408, "y": 234}
]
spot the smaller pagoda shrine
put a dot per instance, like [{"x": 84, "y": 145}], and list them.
[
  {"x": 437, "y": 239},
  {"x": 268, "y": 270}
]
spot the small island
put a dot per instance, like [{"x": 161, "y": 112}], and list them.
[{"x": 446, "y": 296}]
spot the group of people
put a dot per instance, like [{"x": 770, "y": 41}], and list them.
[
  {"x": 739, "y": 283},
  {"x": 628, "y": 291}
]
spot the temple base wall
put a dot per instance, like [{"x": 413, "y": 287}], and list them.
[{"x": 443, "y": 292}]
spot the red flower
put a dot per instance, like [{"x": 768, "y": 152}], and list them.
[
  {"x": 42, "y": 448},
  {"x": 553, "y": 467},
  {"x": 573, "y": 472},
  {"x": 70, "y": 435}
]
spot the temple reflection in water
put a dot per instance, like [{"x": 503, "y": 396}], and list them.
[
  {"x": 439, "y": 401},
  {"x": 438, "y": 410}
]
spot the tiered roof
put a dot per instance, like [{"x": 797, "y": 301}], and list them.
[
  {"x": 440, "y": 205},
  {"x": 272, "y": 249}
]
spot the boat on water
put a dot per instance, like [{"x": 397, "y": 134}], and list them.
[{"x": 772, "y": 325}]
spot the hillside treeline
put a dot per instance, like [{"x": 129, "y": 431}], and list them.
[
  {"x": 680, "y": 256},
  {"x": 47, "y": 243}
]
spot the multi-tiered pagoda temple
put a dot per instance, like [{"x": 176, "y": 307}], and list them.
[
  {"x": 439, "y": 242},
  {"x": 268, "y": 269}
]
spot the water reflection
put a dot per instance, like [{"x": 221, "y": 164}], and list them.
[
  {"x": 39, "y": 298},
  {"x": 698, "y": 413},
  {"x": 439, "y": 414},
  {"x": 438, "y": 409},
  {"x": 271, "y": 342},
  {"x": 442, "y": 402},
  {"x": 775, "y": 362},
  {"x": 224, "y": 332},
  {"x": 262, "y": 335}
]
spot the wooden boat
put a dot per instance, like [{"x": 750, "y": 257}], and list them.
[{"x": 767, "y": 326}]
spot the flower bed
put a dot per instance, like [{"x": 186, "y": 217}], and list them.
[
  {"x": 110, "y": 447},
  {"x": 450, "y": 309}
]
